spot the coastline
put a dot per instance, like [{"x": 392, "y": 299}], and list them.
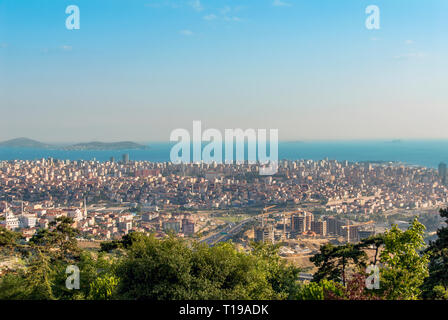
[{"x": 413, "y": 153}]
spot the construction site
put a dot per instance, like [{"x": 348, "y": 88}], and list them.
[{"x": 301, "y": 234}]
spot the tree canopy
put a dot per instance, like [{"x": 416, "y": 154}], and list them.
[
  {"x": 142, "y": 266},
  {"x": 436, "y": 285}
]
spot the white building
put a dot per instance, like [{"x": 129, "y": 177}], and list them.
[
  {"x": 11, "y": 221},
  {"x": 75, "y": 214},
  {"x": 27, "y": 221}
]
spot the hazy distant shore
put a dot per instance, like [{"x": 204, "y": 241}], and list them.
[{"x": 422, "y": 153}]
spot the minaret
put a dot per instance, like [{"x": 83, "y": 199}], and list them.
[{"x": 85, "y": 208}]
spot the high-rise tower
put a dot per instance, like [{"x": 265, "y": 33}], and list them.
[{"x": 442, "y": 172}]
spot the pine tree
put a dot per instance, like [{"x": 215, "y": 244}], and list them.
[{"x": 436, "y": 285}]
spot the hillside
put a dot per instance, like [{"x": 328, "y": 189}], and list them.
[
  {"x": 106, "y": 146},
  {"x": 25, "y": 143},
  {"x": 95, "y": 145}
]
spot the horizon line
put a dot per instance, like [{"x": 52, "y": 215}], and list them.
[{"x": 391, "y": 140}]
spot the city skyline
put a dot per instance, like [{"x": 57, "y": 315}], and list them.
[
  {"x": 311, "y": 69},
  {"x": 231, "y": 151}
]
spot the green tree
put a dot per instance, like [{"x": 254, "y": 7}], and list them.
[
  {"x": 333, "y": 261},
  {"x": 91, "y": 267},
  {"x": 104, "y": 287},
  {"x": 38, "y": 278},
  {"x": 8, "y": 239},
  {"x": 124, "y": 243},
  {"x": 31, "y": 283},
  {"x": 373, "y": 243},
  {"x": 436, "y": 285},
  {"x": 13, "y": 286},
  {"x": 404, "y": 266},
  {"x": 59, "y": 241},
  {"x": 281, "y": 276},
  {"x": 171, "y": 269},
  {"x": 319, "y": 290}
]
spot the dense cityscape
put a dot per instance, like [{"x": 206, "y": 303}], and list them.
[
  {"x": 222, "y": 158},
  {"x": 215, "y": 202}
]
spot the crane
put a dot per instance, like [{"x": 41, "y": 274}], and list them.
[{"x": 359, "y": 224}]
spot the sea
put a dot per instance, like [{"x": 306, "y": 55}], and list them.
[{"x": 425, "y": 153}]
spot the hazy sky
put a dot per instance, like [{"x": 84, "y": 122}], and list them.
[{"x": 137, "y": 69}]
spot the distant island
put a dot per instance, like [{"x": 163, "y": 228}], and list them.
[
  {"x": 124, "y": 145},
  {"x": 25, "y": 143},
  {"x": 95, "y": 145}
]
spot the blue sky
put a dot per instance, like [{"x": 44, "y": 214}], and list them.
[{"x": 136, "y": 69}]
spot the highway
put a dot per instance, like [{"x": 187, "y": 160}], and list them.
[{"x": 230, "y": 230}]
